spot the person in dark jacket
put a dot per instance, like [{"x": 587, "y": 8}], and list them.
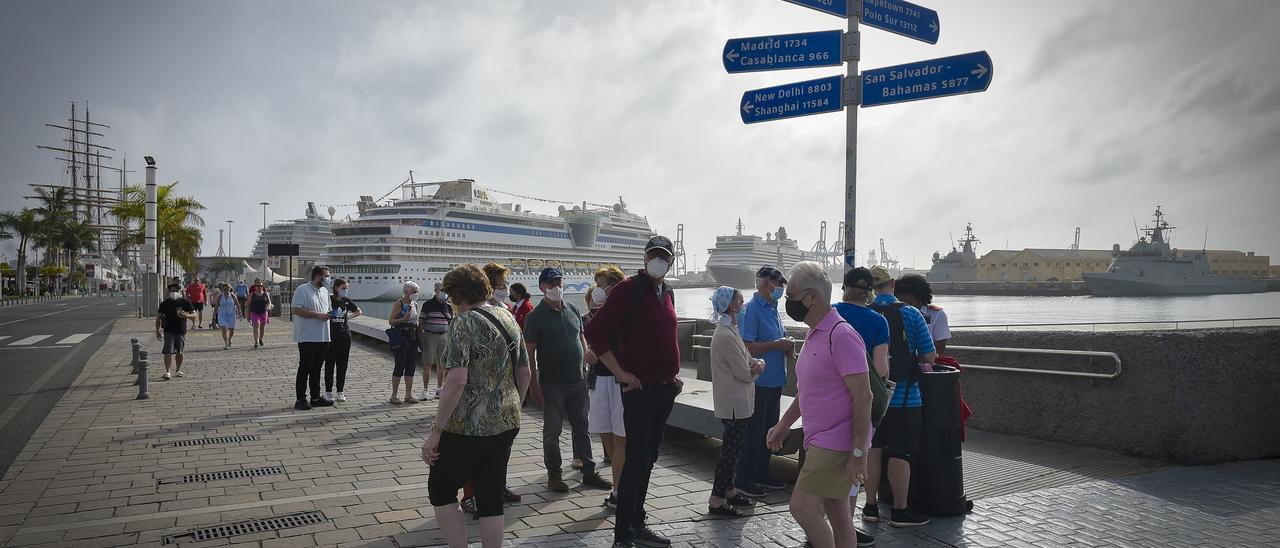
[{"x": 340, "y": 339}]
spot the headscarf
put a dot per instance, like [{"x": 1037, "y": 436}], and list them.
[{"x": 720, "y": 301}]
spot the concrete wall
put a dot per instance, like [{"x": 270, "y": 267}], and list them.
[{"x": 1191, "y": 397}]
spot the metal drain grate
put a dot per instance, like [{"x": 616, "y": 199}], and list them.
[
  {"x": 225, "y": 475},
  {"x": 207, "y": 441},
  {"x": 273, "y": 523}
]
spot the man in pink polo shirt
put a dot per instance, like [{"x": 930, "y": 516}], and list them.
[{"x": 834, "y": 399}]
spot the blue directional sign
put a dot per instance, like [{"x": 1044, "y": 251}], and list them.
[
  {"x": 792, "y": 100},
  {"x": 956, "y": 75},
  {"x": 902, "y": 18},
  {"x": 785, "y": 51},
  {"x": 838, "y": 8}
]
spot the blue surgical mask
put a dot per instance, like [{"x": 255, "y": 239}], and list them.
[{"x": 777, "y": 294}]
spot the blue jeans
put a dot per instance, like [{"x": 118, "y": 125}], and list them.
[{"x": 753, "y": 463}]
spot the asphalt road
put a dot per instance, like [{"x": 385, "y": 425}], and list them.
[{"x": 43, "y": 347}]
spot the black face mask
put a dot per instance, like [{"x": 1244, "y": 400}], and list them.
[
  {"x": 796, "y": 309},
  {"x": 514, "y": 299}
]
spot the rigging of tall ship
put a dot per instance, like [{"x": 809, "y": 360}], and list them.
[{"x": 420, "y": 236}]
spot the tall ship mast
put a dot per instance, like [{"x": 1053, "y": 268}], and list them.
[
  {"x": 434, "y": 227},
  {"x": 959, "y": 265},
  {"x": 1151, "y": 267},
  {"x": 736, "y": 258}
]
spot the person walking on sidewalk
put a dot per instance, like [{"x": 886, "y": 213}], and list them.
[
  {"x": 522, "y": 304},
  {"x": 834, "y": 400},
  {"x": 761, "y": 329},
  {"x": 557, "y": 356},
  {"x": 605, "y": 415},
  {"x": 733, "y": 372},
  {"x": 172, "y": 317},
  {"x": 228, "y": 311},
  {"x": 636, "y": 329},
  {"x": 311, "y": 332},
  {"x": 479, "y": 412},
  {"x": 404, "y": 319},
  {"x": 259, "y": 313},
  {"x": 195, "y": 294},
  {"x": 341, "y": 310},
  {"x": 214, "y": 295},
  {"x": 242, "y": 295},
  {"x": 436, "y": 315}
]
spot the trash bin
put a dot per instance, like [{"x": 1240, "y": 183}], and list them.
[
  {"x": 937, "y": 474},
  {"x": 279, "y": 306}
]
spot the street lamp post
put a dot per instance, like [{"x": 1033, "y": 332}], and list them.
[
  {"x": 229, "y": 221},
  {"x": 264, "y": 213}
]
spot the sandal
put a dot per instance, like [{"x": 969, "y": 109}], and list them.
[
  {"x": 724, "y": 509},
  {"x": 741, "y": 501},
  {"x": 409, "y": 399},
  {"x": 395, "y": 400}
]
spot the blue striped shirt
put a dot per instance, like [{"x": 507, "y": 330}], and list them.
[{"x": 920, "y": 342}]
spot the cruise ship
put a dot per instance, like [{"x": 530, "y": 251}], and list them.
[
  {"x": 312, "y": 232},
  {"x": 433, "y": 227},
  {"x": 960, "y": 265},
  {"x": 735, "y": 259},
  {"x": 1151, "y": 268}
]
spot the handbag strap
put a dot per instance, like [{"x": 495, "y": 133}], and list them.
[{"x": 511, "y": 343}]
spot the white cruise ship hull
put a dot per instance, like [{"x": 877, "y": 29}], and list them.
[{"x": 574, "y": 284}]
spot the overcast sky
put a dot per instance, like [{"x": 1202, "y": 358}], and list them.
[{"x": 1097, "y": 112}]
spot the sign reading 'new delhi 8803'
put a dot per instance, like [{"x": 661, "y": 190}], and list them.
[
  {"x": 784, "y": 51},
  {"x": 896, "y": 16},
  {"x": 792, "y": 100},
  {"x": 956, "y": 75}
]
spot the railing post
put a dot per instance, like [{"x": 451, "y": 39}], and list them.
[
  {"x": 133, "y": 362},
  {"x": 142, "y": 376}
]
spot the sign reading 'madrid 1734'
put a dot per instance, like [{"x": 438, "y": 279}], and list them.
[{"x": 784, "y": 51}]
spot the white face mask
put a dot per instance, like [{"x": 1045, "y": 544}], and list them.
[
  {"x": 175, "y": 295},
  {"x": 413, "y": 297},
  {"x": 657, "y": 268},
  {"x": 555, "y": 294},
  {"x": 501, "y": 295},
  {"x": 598, "y": 296}
]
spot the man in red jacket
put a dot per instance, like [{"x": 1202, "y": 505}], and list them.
[{"x": 637, "y": 326}]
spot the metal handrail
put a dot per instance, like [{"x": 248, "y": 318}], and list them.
[
  {"x": 1042, "y": 351},
  {"x": 1176, "y": 323}
]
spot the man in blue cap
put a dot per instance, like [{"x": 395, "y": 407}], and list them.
[
  {"x": 762, "y": 331},
  {"x": 558, "y": 357}
]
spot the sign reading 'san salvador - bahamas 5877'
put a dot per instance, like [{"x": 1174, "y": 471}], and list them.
[{"x": 956, "y": 75}]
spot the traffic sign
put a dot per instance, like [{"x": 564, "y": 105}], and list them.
[
  {"x": 784, "y": 51},
  {"x": 838, "y": 8},
  {"x": 902, "y": 18},
  {"x": 956, "y": 75},
  {"x": 792, "y": 100}
]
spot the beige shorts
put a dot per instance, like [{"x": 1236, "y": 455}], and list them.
[
  {"x": 433, "y": 348},
  {"x": 825, "y": 473}
]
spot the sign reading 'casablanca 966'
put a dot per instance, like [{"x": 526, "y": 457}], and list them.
[
  {"x": 784, "y": 51},
  {"x": 956, "y": 75}
]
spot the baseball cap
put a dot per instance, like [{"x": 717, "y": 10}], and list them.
[
  {"x": 767, "y": 272},
  {"x": 860, "y": 278},
  {"x": 549, "y": 274},
  {"x": 660, "y": 242},
  {"x": 880, "y": 275}
]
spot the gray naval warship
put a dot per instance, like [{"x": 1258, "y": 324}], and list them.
[{"x": 1152, "y": 268}]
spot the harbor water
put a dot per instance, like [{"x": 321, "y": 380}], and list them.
[{"x": 977, "y": 311}]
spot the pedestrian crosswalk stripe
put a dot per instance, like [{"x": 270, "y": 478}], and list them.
[
  {"x": 74, "y": 339},
  {"x": 29, "y": 340}
]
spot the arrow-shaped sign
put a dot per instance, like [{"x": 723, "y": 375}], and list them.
[
  {"x": 956, "y": 75},
  {"x": 792, "y": 100},
  {"x": 838, "y": 8},
  {"x": 784, "y": 51},
  {"x": 901, "y": 17}
]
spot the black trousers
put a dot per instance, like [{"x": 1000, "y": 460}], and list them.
[
  {"x": 644, "y": 413},
  {"x": 310, "y": 361},
  {"x": 339, "y": 351}
]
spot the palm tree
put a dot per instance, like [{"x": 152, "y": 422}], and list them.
[
  {"x": 25, "y": 224},
  {"x": 77, "y": 236},
  {"x": 176, "y": 220}
]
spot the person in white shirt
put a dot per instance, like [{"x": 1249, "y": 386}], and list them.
[
  {"x": 311, "y": 313},
  {"x": 914, "y": 290}
]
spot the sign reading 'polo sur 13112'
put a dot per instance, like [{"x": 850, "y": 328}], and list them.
[
  {"x": 792, "y": 100},
  {"x": 956, "y": 75},
  {"x": 784, "y": 51}
]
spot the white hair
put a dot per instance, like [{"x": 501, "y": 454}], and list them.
[
  {"x": 410, "y": 285},
  {"x": 811, "y": 275}
]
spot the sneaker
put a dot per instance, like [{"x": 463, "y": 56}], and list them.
[
  {"x": 864, "y": 539},
  {"x": 907, "y": 518},
  {"x": 320, "y": 402},
  {"x": 726, "y": 510},
  {"x": 508, "y": 496},
  {"x": 595, "y": 480},
  {"x": 871, "y": 512},
  {"x": 166, "y": 376},
  {"x": 181, "y": 374},
  {"x": 739, "y": 501},
  {"x": 341, "y": 397},
  {"x": 555, "y": 483},
  {"x": 644, "y": 536},
  {"x": 577, "y": 464},
  {"x": 328, "y": 396},
  {"x": 611, "y": 502},
  {"x": 437, "y": 392},
  {"x": 302, "y": 405},
  {"x": 771, "y": 483},
  {"x": 754, "y": 491}
]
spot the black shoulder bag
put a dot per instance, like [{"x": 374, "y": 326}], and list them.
[{"x": 511, "y": 343}]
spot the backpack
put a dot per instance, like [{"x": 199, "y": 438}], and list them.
[
  {"x": 636, "y": 295},
  {"x": 903, "y": 363},
  {"x": 879, "y": 388}
]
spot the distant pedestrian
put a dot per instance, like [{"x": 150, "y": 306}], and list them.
[
  {"x": 834, "y": 401},
  {"x": 242, "y": 295},
  {"x": 212, "y": 296},
  {"x": 479, "y": 412},
  {"x": 195, "y": 294},
  {"x": 733, "y": 372},
  {"x": 341, "y": 310},
  {"x": 521, "y": 303},
  {"x": 228, "y": 311},
  {"x": 311, "y": 331},
  {"x": 171, "y": 327},
  {"x": 436, "y": 315},
  {"x": 605, "y": 415},
  {"x": 557, "y": 357},
  {"x": 636, "y": 329},
  {"x": 405, "y": 313},
  {"x": 761, "y": 330},
  {"x": 259, "y": 313},
  {"x": 915, "y": 290},
  {"x": 898, "y": 435}
]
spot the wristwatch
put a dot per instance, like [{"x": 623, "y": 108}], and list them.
[{"x": 857, "y": 452}]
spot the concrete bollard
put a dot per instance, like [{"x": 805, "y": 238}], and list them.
[
  {"x": 133, "y": 362},
  {"x": 142, "y": 376}
]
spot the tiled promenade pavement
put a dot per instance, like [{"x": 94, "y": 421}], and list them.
[{"x": 97, "y": 473}]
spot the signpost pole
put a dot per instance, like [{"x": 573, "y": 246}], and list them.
[{"x": 854, "y": 86}]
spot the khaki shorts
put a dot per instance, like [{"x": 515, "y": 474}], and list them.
[
  {"x": 433, "y": 348},
  {"x": 825, "y": 473}
]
